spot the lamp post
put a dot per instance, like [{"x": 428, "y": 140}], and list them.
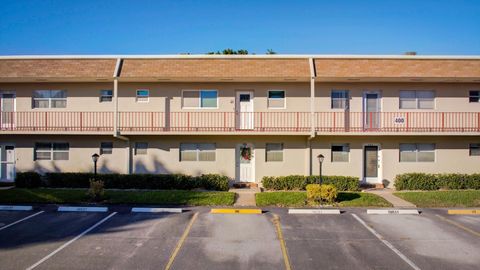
[
  {"x": 320, "y": 160},
  {"x": 95, "y": 159}
]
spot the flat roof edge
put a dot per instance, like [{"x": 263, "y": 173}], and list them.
[{"x": 274, "y": 56}]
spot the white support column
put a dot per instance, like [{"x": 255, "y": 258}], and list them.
[
  {"x": 312, "y": 97},
  {"x": 115, "y": 111}
]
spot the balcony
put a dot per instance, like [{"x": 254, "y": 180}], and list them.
[{"x": 235, "y": 123}]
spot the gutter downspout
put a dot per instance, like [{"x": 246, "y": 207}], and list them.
[
  {"x": 312, "y": 114},
  {"x": 116, "y": 132}
]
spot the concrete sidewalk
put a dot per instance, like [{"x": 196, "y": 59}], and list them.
[
  {"x": 245, "y": 196},
  {"x": 387, "y": 194}
]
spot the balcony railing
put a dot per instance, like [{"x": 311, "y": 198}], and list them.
[{"x": 324, "y": 122}]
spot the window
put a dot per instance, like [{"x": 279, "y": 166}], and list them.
[
  {"x": 143, "y": 95},
  {"x": 106, "y": 148},
  {"x": 340, "y": 152},
  {"x": 475, "y": 149},
  {"x": 474, "y": 96},
  {"x": 274, "y": 152},
  {"x": 417, "y": 99},
  {"x": 49, "y": 99},
  {"x": 106, "y": 95},
  {"x": 51, "y": 151},
  {"x": 141, "y": 148},
  {"x": 417, "y": 152},
  {"x": 197, "y": 152},
  {"x": 276, "y": 99},
  {"x": 199, "y": 99},
  {"x": 340, "y": 99}
]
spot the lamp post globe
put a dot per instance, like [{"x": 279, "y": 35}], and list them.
[
  {"x": 320, "y": 160},
  {"x": 95, "y": 159}
]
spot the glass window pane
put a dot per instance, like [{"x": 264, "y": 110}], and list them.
[
  {"x": 43, "y": 146},
  {"x": 426, "y": 152},
  {"x": 276, "y": 94},
  {"x": 340, "y": 153},
  {"x": 58, "y": 94},
  {"x": 188, "y": 152},
  {"x": 61, "y": 146},
  {"x": 43, "y": 155},
  {"x": 141, "y": 148},
  {"x": 60, "y": 155},
  {"x": 106, "y": 148},
  {"x": 475, "y": 149},
  {"x": 274, "y": 152},
  {"x": 208, "y": 99},
  {"x": 206, "y": 152},
  {"x": 339, "y": 99},
  {"x": 191, "y": 99},
  {"x": 40, "y": 103},
  {"x": 408, "y": 152},
  {"x": 59, "y": 103},
  {"x": 408, "y": 100},
  {"x": 142, "y": 93},
  {"x": 426, "y": 99},
  {"x": 41, "y": 94}
]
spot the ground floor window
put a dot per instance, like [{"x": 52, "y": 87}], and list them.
[
  {"x": 274, "y": 152},
  {"x": 475, "y": 149},
  {"x": 417, "y": 152},
  {"x": 51, "y": 151},
  {"x": 106, "y": 148},
  {"x": 197, "y": 151},
  {"x": 141, "y": 148},
  {"x": 340, "y": 152}
]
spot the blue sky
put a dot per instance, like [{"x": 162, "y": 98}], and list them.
[{"x": 289, "y": 27}]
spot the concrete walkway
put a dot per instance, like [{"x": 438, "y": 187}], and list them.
[
  {"x": 244, "y": 196},
  {"x": 387, "y": 194}
]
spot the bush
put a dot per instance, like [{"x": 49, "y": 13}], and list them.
[
  {"x": 96, "y": 191},
  {"x": 138, "y": 181},
  {"x": 28, "y": 180},
  {"x": 299, "y": 182},
  {"x": 425, "y": 181},
  {"x": 314, "y": 193},
  {"x": 328, "y": 193}
]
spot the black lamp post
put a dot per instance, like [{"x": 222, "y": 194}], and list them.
[
  {"x": 320, "y": 160},
  {"x": 95, "y": 159}
]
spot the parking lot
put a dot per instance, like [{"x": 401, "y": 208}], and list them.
[{"x": 196, "y": 239}]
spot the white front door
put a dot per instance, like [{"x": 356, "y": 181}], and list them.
[
  {"x": 244, "y": 110},
  {"x": 245, "y": 162},
  {"x": 372, "y": 110},
  {"x": 371, "y": 164},
  {"x": 7, "y": 163},
  {"x": 7, "y": 107}
]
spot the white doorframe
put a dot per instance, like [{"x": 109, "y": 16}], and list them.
[
  {"x": 364, "y": 105},
  {"x": 243, "y": 173},
  {"x": 14, "y": 107},
  {"x": 379, "y": 178},
  {"x": 244, "y": 119},
  {"x": 8, "y": 162}
]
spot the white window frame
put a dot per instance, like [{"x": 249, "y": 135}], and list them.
[
  {"x": 52, "y": 151},
  {"x": 343, "y": 145},
  {"x": 200, "y": 99},
  {"x": 417, "y": 100},
  {"x": 266, "y": 152},
  {"x": 197, "y": 151},
  {"x": 106, "y": 96},
  {"x": 347, "y": 99},
  {"x": 142, "y": 101},
  {"x": 284, "y": 99},
  {"x": 50, "y": 99},
  {"x": 417, "y": 152}
]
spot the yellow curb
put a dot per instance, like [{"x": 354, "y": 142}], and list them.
[
  {"x": 464, "y": 212},
  {"x": 235, "y": 211}
]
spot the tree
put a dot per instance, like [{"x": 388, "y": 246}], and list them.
[
  {"x": 229, "y": 51},
  {"x": 271, "y": 51}
]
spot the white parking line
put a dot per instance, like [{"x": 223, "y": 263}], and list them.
[
  {"x": 71, "y": 241},
  {"x": 388, "y": 244},
  {"x": 18, "y": 221},
  {"x": 156, "y": 210},
  {"x": 315, "y": 211},
  {"x": 16, "y": 207}
]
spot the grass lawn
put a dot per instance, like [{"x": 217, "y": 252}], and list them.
[
  {"x": 448, "y": 198},
  {"x": 298, "y": 198},
  {"x": 177, "y": 197}
]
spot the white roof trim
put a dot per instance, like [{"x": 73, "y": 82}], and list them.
[{"x": 275, "y": 56}]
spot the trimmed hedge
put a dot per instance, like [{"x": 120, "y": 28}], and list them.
[
  {"x": 425, "y": 181},
  {"x": 28, "y": 180},
  {"x": 299, "y": 182},
  {"x": 133, "y": 181}
]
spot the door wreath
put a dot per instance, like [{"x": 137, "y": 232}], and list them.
[{"x": 246, "y": 153}]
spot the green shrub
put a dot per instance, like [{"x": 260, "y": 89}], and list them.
[
  {"x": 28, "y": 180},
  {"x": 314, "y": 193},
  {"x": 299, "y": 182},
  {"x": 96, "y": 190},
  {"x": 328, "y": 193},
  {"x": 131, "y": 181},
  {"x": 426, "y": 181}
]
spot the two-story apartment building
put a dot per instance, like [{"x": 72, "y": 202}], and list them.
[{"x": 242, "y": 116}]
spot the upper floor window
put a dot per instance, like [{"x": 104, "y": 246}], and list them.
[
  {"x": 274, "y": 152},
  {"x": 197, "y": 152},
  {"x": 474, "y": 96},
  {"x": 196, "y": 99},
  {"x": 276, "y": 99},
  {"x": 475, "y": 149},
  {"x": 340, "y": 152},
  {"x": 49, "y": 99},
  {"x": 51, "y": 151},
  {"x": 417, "y": 152},
  {"x": 340, "y": 99},
  {"x": 143, "y": 95},
  {"x": 417, "y": 99},
  {"x": 106, "y": 95}
]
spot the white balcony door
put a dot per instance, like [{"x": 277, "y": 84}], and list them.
[
  {"x": 7, "y": 163},
  {"x": 245, "y": 162},
  {"x": 7, "y": 107},
  {"x": 371, "y": 110},
  {"x": 244, "y": 109}
]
